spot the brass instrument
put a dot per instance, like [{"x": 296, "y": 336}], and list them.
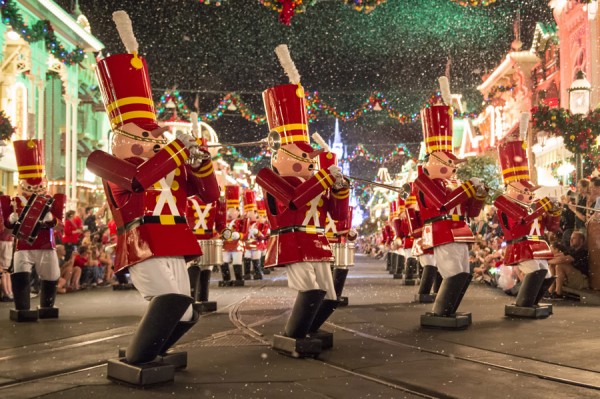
[{"x": 273, "y": 141}]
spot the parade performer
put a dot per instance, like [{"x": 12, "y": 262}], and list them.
[
  {"x": 252, "y": 251},
  {"x": 387, "y": 239},
  {"x": 233, "y": 234},
  {"x": 443, "y": 210},
  {"x": 338, "y": 233},
  {"x": 6, "y": 250},
  {"x": 147, "y": 182},
  {"x": 430, "y": 277},
  {"x": 405, "y": 244},
  {"x": 33, "y": 212},
  {"x": 524, "y": 221},
  {"x": 206, "y": 221},
  {"x": 294, "y": 195},
  {"x": 265, "y": 231}
]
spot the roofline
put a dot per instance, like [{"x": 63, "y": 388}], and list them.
[
  {"x": 497, "y": 74},
  {"x": 74, "y": 33}
]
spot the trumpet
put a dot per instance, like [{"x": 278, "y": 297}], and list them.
[
  {"x": 273, "y": 141},
  {"x": 400, "y": 190}
]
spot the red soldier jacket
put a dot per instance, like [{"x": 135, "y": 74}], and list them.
[
  {"x": 294, "y": 207},
  {"x": 265, "y": 231},
  {"x": 524, "y": 231},
  {"x": 443, "y": 210},
  {"x": 205, "y": 220},
  {"x": 252, "y": 239},
  {"x": 239, "y": 225},
  {"x": 45, "y": 238},
  {"x": 336, "y": 230},
  {"x": 148, "y": 200}
]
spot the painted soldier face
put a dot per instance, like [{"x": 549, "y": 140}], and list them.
[
  {"x": 233, "y": 213},
  {"x": 519, "y": 192},
  {"x": 131, "y": 140},
  {"x": 27, "y": 188},
  {"x": 291, "y": 160},
  {"x": 252, "y": 216},
  {"x": 440, "y": 165}
]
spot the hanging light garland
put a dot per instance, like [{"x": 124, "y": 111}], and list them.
[
  {"x": 474, "y": 3},
  {"x": 41, "y": 30}
]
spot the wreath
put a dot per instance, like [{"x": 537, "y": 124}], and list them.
[
  {"x": 579, "y": 132},
  {"x": 6, "y": 128}
]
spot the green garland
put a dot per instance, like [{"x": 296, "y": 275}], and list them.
[
  {"x": 6, "y": 128},
  {"x": 41, "y": 30},
  {"x": 579, "y": 132}
]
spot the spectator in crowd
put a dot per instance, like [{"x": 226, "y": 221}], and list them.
[
  {"x": 83, "y": 262},
  {"x": 567, "y": 217},
  {"x": 6, "y": 253},
  {"x": 583, "y": 193},
  {"x": 571, "y": 265},
  {"x": 90, "y": 220},
  {"x": 72, "y": 233},
  {"x": 69, "y": 275},
  {"x": 594, "y": 201}
]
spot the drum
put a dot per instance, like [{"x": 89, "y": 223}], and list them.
[
  {"x": 343, "y": 253},
  {"x": 212, "y": 252},
  {"x": 31, "y": 218}
]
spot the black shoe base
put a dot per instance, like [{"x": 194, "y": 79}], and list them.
[
  {"x": 225, "y": 283},
  {"x": 398, "y": 276},
  {"x": 247, "y": 277},
  {"x": 47, "y": 313},
  {"x": 325, "y": 337},
  {"x": 140, "y": 374},
  {"x": 175, "y": 359},
  {"x": 458, "y": 321},
  {"x": 424, "y": 298},
  {"x": 410, "y": 282},
  {"x": 343, "y": 301},
  {"x": 266, "y": 271},
  {"x": 529, "y": 312},
  {"x": 23, "y": 315},
  {"x": 205, "y": 307},
  {"x": 297, "y": 347},
  {"x": 238, "y": 283}
]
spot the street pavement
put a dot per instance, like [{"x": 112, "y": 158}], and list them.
[{"x": 380, "y": 350}]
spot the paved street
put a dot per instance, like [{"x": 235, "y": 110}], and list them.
[{"x": 380, "y": 351}]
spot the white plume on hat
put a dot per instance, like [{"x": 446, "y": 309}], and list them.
[
  {"x": 319, "y": 140},
  {"x": 445, "y": 90},
  {"x": 524, "y": 125},
  {"x": 195, "y": 125},
  {"x": 285, "y": 59},
  {"x": 125, "y": 29}
]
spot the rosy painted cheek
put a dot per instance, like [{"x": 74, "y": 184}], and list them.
[
  {"x": 137, "y": 149},
  {"x": 296, "y": 167},
  {"x": 443, "y": 170},
  {"x": 520, "y": 197}
]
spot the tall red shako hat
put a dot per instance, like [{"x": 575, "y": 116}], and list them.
[
  {"x": 249, "y": 201},
  {"x": 232, "y": 197},
  {"x": 285, "y": 106},
  {"x": 513, "y": 158},
  {"x": 125, "y": 82},
  {"x": 437, "y": 124},
  {"x": 30, "y": 160}
]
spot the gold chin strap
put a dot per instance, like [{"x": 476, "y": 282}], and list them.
[
  {"x": 296, "y": 157},
  {"x": 138, "y": 138},
  {"x": 443, "y": 162}
]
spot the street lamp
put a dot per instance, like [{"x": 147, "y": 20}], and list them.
[{"x": 579, "y": 104}]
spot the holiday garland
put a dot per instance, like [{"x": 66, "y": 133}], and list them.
[
  {"x": 6, "y": 128},
  {"x": 474, "y": 3},
  {"x": 579, "y": 132},
  {"x": 41, "y": 30}
]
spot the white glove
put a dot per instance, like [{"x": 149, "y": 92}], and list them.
[
  {"x": 13, "y": 218},
  {"x": 336, "y": 173},
  {"x": 476, "y": 181},
  {"x": 48, "y": 217},
  {"x": 235, "y": 235},
  {"x": 254, "y": 232},
  {"x": 187, "y": 139}
]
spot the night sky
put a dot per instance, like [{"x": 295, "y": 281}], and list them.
[{"x": 400, "y": 49}]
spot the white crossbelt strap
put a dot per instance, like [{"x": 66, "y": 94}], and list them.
[
  {"x": 330, "y": 227},
  {"x": 166, "y": 196},
  {"x": 456, "y": 210},
  {"x": 313, "y": 213},
  {"x": 535, "y": 228},
  {"x": 202, "y": 215}
]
